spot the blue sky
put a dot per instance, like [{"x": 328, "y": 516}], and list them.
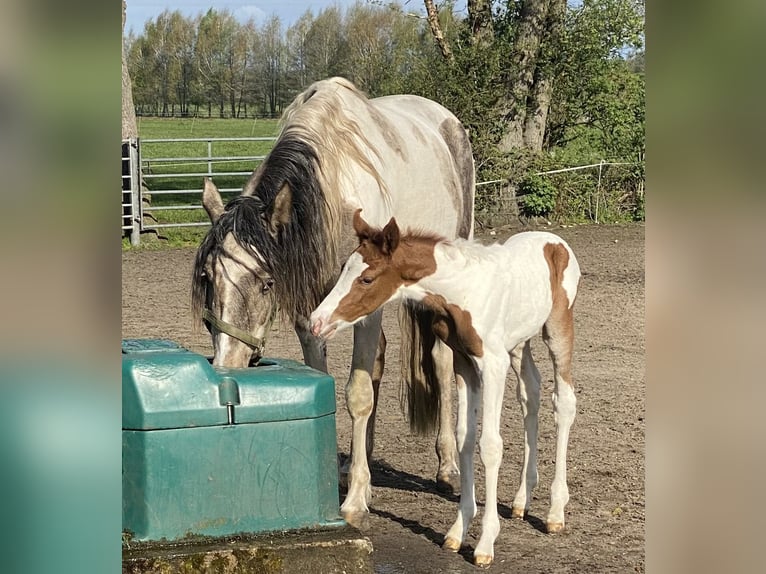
[{"x": 139, "y": 11}]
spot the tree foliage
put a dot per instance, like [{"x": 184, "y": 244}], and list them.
[{"x": 567, "y": 80}]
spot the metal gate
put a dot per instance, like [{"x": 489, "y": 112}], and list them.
[
  {"x": 162, "y": 181},
  {"x": 131, "y": 188}
]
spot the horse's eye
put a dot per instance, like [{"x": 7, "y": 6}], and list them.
[
  {"x": 366, "y": 280},
  {"x": 267, "y": 285}
]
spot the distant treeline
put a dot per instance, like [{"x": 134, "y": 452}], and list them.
[{"x": 538, "y": 83}]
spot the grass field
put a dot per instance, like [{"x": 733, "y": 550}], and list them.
[{"x": 164, "y": 172}]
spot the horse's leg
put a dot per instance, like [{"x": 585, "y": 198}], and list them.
[
  {"x": 558, "y": 334},
  {"x": 314, "y": 349},
  {"x": 377, "y": 375},
  {"x": 468, "y": 398},
  {"x": 494, "y": 371},
  {"x": 360, "y": 403},
  {"x": 448, "y": 475},
  {"x": 528, "y": 394}
]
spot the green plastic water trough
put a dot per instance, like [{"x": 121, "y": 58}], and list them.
[{"x": 214, "y": 451}]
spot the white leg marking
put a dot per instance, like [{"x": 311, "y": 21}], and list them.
[
  {"x": 469, "y": 395},
  {"x": 491, "y": 449},
  {"x": 528, "y": 394},
  {"x": 564, "y": 409},
  {"x": 359, "y": 402}
]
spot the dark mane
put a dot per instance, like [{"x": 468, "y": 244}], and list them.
[{"x": 301, "y": 255}]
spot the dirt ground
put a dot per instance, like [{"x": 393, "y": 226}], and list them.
[{"x": 409, "y": 517}]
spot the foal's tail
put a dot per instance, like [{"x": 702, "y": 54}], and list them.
[{"x": 418, "y": 372}]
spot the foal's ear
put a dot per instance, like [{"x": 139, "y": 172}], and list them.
[
  {"x": 283, "y": 205},
  {"x": 361, "y": 227},
  {"x": 211, "y": 200},
  {"x": 390, "y": 235}
]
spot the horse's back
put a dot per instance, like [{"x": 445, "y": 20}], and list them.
[
  {"x": 547, "y": 252},
  {"x": 429, "y": 162}
]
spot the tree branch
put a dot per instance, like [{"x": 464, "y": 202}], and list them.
[{"x": 436, "y": 30}]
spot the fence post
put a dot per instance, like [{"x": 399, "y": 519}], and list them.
[
  {"x": 135, "y": 192},
  {"x": 209, "y": 157},
  {"x": 598, "y": 186}
]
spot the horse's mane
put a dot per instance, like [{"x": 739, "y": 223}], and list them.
[
  {"x": 318, "y": 116},
  {"x": 318, "y": 141}
]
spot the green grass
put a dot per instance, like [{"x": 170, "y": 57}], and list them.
[
  {"x": 172, "y": 128},
  {"x": 204, "y": 128}
]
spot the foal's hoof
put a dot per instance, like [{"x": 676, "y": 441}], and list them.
[
  {"x": 482, "y": 560},
  {"x": 451, "y": 544},
  {"x": 554, "y": 527},
  {"x": 448, "y": 482},
  {"x": 359, "y": 520},
  {"x": 517, "y": 512}
]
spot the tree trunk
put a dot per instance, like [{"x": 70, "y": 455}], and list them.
[
  {"x": 537, "y": 114},
  {"x": 480, "y": 20},
  {"x": 129, "y": 126},
  {"x": 525, "y": 55},
  {"x": 542, "y": 91}
]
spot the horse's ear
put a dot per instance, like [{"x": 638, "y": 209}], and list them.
[
  {"x": 361, "y": 227},
  {"x": 211, "y": 200},
  {"x": 390, "y": 237},
  {"x": 283, "y": 205}
]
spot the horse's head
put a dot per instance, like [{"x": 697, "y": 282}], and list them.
[
  {"x": 372, "y": 276},
  {"x": 231, "y": 291}
]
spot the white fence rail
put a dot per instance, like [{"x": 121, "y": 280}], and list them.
[{"x": 156, "y": 185}]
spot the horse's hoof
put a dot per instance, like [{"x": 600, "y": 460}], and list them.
[
  {"x": 518, "y": 513},
  {"x": 554, "y": 527},
  {"x": 482, "y": 560},
  {"x": 448, "y": 483},
  {"x": 359, "y": 520},
  {"x": 451, "y": 544}
]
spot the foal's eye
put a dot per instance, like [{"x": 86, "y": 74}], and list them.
[
  {"x": 366, "y": 280},
  {"x": 267, "y": 285}
]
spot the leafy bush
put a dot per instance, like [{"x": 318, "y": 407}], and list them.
[{"x": 538, "y": 196}]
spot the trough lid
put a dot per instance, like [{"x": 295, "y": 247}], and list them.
[{"x": 165, "y": 386}]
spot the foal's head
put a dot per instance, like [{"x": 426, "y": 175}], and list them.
[{"x": 376, "y": 272}]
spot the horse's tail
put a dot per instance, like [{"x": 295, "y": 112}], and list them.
[{"x": 420, "y": 386}]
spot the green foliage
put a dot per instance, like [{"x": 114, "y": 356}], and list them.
[
  {"x": 538, "y": 196},
  {"x": 597, "y": 108}
]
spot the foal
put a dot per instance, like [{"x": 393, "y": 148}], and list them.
[{"x": 489, "y": 302}]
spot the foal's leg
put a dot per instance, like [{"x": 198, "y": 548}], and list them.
[
  {"x": 360, "y": 402},
  {"x": 528, "y": 394},
  {"x": 493, "y": 372},
  {"x": 468, "y": 399},
  {"x": 448, "y": 475},
  {"x": 558, "y": 334}
]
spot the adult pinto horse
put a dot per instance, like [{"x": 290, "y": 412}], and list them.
[{"x": 280, "y": 243}]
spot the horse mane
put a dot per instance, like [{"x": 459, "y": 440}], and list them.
[
  {"x": 318, "y": 116},
  {"x": 318, "y": 142}
]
